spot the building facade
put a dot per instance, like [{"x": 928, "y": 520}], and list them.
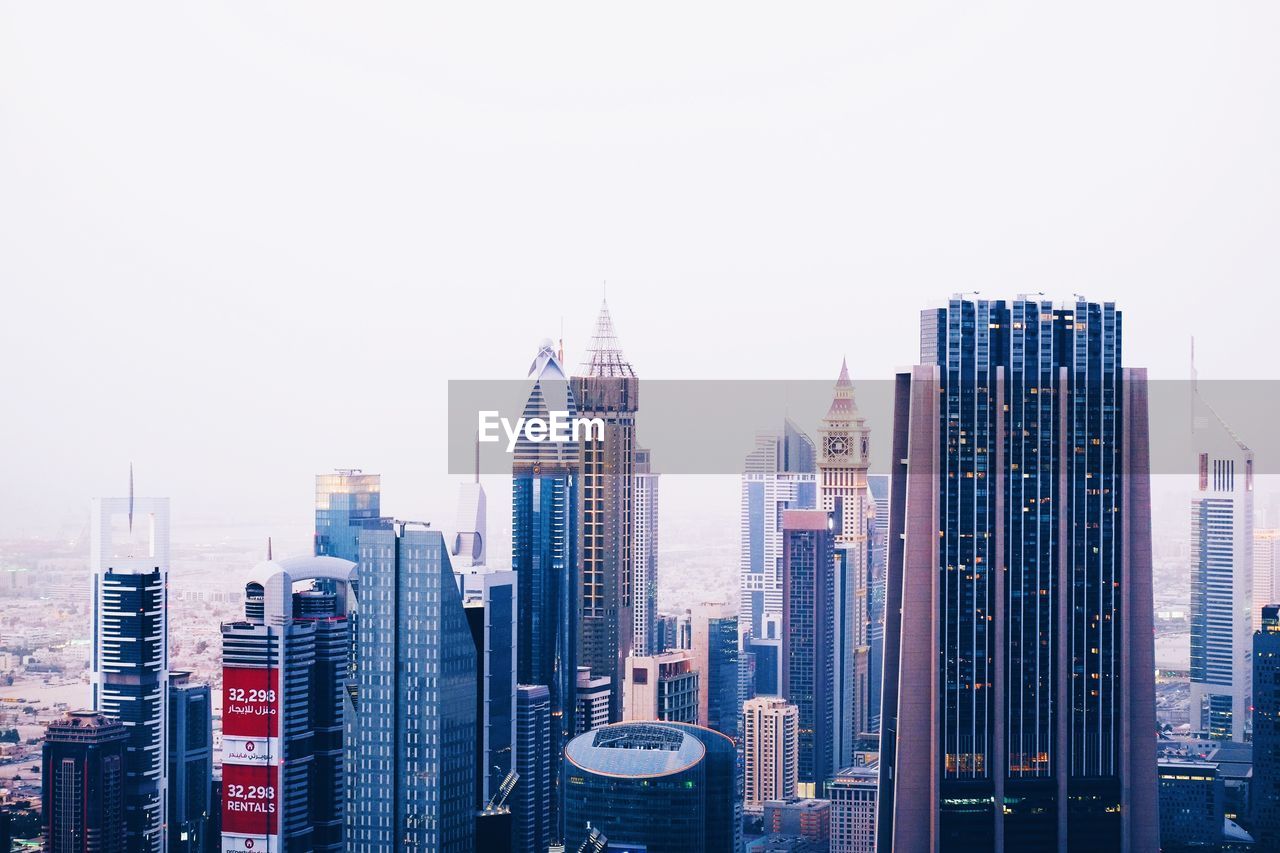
[
  {"x": 130, "y": 662},
  {"x": 770, "y": 751},
  {"x": 662, "y": 687},
  {"x": 531, "y": 799},
  {"x": 416, "y": 730},
  {"x": 1264, "y": 789},
  {"x": 190, "y": 763},
  {"x": 645, "y": 600},
  {"x": 593, "y": 701},
  {"x": 811, "y": 563},
  {"x": 84, "y": 782},
  {"x": 489, "y": 601},
  {"x": 716, "y": 656},
  {"x": 1019, "y": 660},
  {"x": 852, "y": 792}
]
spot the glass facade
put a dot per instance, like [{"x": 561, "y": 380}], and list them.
[
  {"x": 346, "y": 500},
  {"x": 1264, "y": 787},
  {"x": 530, "y": 801},
  {"x": 190, "y": 764},
  {"x": 415, "y": 733}
]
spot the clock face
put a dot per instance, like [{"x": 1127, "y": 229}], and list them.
[{"x": 837, "y": 445}]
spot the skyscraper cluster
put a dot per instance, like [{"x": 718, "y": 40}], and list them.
[{"x": 956, "y": 656}]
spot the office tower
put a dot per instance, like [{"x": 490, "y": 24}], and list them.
[
  {"x": 346, "y": 501},
  {"x": 609, "y": 391},
  {"x": 130, "y": 667},
  {"x": 1019, "y": 703},
  {"x": 843, "y": 456},
  {"x": 1264, "y": 789},
  {"x": 807, "y": 818},
  {"x": 662, "y": 687},
  {"x": 646, "y": 555},
  {"x": 878, "y": 486},
  {"x": 489, "y": 601},
  {"x": 531, "y": 799},
  {"x": 1191, "y": 806},
  {"x": 779, "y": 475},
  {"x": 190, "y": 763},
  {"x": 1266, "y": 571},
  {"x": 810, "y": 564},
  {"x": 416, "y": 734},
  {"x": 1222, "y": 578},
  {"x": 593, "y": 701},
  {"x": 766, "y": 651},
  {"x": 852, "y": 792},
  {"x": 658, "y": 787},
  {"x": 84, "y": 784},
  {"x": 284, "y": 689},
  {"x": 714, "y": 644},
  {"x": 665, "y": 632},
  {"x": 771, "y": 751}
]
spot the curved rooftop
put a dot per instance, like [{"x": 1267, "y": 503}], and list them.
[
  {"x": 635, "y": 750},
  {"x": 304, "y": 568}
]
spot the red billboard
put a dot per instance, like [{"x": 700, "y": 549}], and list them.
[
  {"x": 250, "y": 702},
  {"x": 250, "y": 799}
]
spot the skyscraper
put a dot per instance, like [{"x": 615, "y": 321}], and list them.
[
  {"x": 530, "y": 801},
  {"x": 489, "y": 600},
  {"x": 878, "y": 486},
  {"x": 657, "y": 787},
  {"x": 130, "y": 666},
  {"x": 779, "y": 475},
  {"x": 609, "y": 391},
  {"x": 1266, "y": 571},
  {"x": 771, "y": 748},
  {"x": 416, "y": 733},
  {"x": 190, "y": 763},
  {"x": 646, "y": 555},
  {"x": 593, "y": 701},
  {"x": 284, "y": 691},
  {"x": 714, "y": 644},
  {"x": 346, "y": 501},
  {"x": 662, "y": 687},
  {"x": 471, "y": 539},
  {"x": 1264, "y": 788},
  {"x": 83, "y": 784},
  {"x": 1222, "y": 579},
  {"x": 843, "y": 456},
  {"x": 545, "y": 494},
  {"x": 1019, "y": 705},
  {"x": 811, "y": 563}
]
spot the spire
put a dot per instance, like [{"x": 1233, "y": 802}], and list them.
[
  {"x": 604, "y": 355},
  {"x": 843, "y": 408},
  {"x": 268, "y": 549},
  {"x": 130, "y": 497}
]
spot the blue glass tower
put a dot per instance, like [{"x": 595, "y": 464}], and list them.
[
  {"x": 1264, "y": 790},
  {"x": 190, "y": 763},
  {"x": 414, "y": 779},
  {"x": 530, "y": 803},
  {"x": 1018, "y": 693},
  {"x": 346, "y": 501}
]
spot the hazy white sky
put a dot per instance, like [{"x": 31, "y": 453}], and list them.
[{"x": 241, "y": 243}]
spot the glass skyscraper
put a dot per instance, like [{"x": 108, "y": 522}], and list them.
[
  {"x": 346, "y": 501},
  {"x": 190, "y": 763},
  {"x": 414, "y": 754},
  {"x": 1264, "y": 788},
  {"x": 530, "y": 801},
  {"x": 1018, "y": 699}
]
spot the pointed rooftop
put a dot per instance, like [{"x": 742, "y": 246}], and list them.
[
  {"x": 843, "y": 407},
  {"x": 604, "y": 355}
]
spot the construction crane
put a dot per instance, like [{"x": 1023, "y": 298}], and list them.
[
  {"x": 498, "y": 801},
  {"x": 596, "y": 842}
]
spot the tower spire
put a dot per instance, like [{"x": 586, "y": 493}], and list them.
[
  {"x": 604, "y": 355},
  {"x": 131, "y": 497}
]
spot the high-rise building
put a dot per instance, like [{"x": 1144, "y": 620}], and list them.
[
  {"x": 658, "y": 787},
  {"x": 489, "y": 600},
  {"x": 1264, "y": 788},
  {"x": 284, "y": 692},
  {"x": 1191, "y": 806},
  {"x": 662, "y": 687},
  {"x": 766, "y": 653},
  {"x": 1019, "y": 697},
  {"x": 593, "y": 701},
  {"x": 130, "y": 665},
  {"x": 714, "y": 644},
  {"x": 545, "y": 495},
  {"x": 1222, "y": 579},
  {"x": 664, "y": 629},
  {"x": 878, "y": 486},
  {"x": 531, "y": 800},
  {"x": 190, "y": 763},
  {"x": 1266, "y": 571},
  {"x": 811, "y": 563},
  {"x": 852, "y": 792},
  {"x": 416, "y": 732},
  {"x": 771, "y": 751},
  {"x": 779, "y": 475},
  {"x": 843, "y": 457},
  {"x": 470, "y": 540},
  {"x": 84, "y": 784},
  {"x": 610, "y": 392},
  {"x": 645, "y": 536},
  {"x": 346, "y": 501}
]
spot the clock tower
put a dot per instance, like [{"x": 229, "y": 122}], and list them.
[{"x": 843, "y": 454}]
